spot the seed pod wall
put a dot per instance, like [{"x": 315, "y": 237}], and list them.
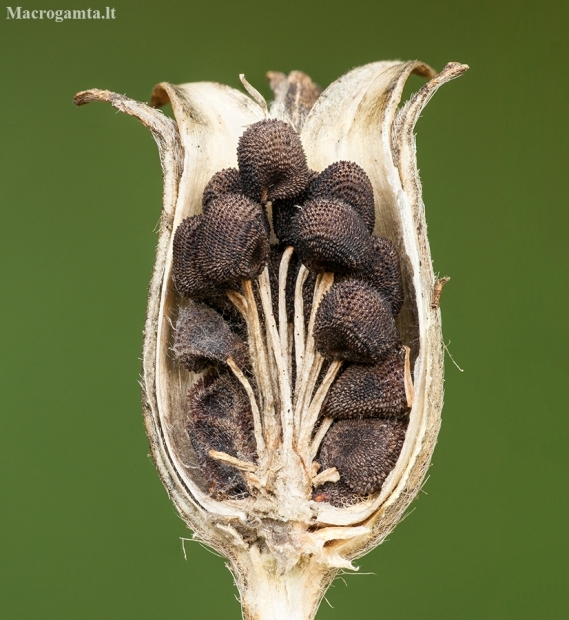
[{"x": 292, "y": 363}]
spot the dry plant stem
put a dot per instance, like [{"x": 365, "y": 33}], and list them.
[
  {"x": 310, "y": 368},
  {"x": 261, "y": 365},
  {"x": 319, "y": 436},
  {"x": 299, "y": 328},
  {"x": 283, "y": 272},
  {"x": 311, "y": 415},
  {"x": 280, "y": 364},
  {"x": 257, "y": 422}
]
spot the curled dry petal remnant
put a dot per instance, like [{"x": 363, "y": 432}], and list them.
[{"x": 292, "y": 362}]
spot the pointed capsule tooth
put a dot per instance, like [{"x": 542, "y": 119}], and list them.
[
  {"x": 202, "y": 339},
  {"x": 354, "y": 323},
  {"x": 331, "y": 236},
  {"x": 233, "y": 240},
  {"x": 272, "y": 163},
  {"x": 346, "y": 181},
  {"x": 363, "y": 451},
  {"x": 220, "y": 419},
  {"x": 369, "y": 390},
  {"x": 225, "y": 181}
]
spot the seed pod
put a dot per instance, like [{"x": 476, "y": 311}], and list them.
[
  {"x": 284, "y": 211},
  {"x": 348, "y": 182},
  {"x": 363, "y": 451},
  {"x": 233, "y": 240},
  {"x": 369, "y": 390},
  {"x": 384, "y": 274},
  {"x": 330, "y": 236},
  {"x": 271, "y": 160},
  {"x": 225, "y": 181},
  {"x": 355, "y": 323},
  {"x": 283, "y": 547},
  {"x": 202, "y": 338},
  {"x": 220, "y": 419}
]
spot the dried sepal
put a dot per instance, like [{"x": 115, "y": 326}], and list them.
[{"x": 304, "y": 541}]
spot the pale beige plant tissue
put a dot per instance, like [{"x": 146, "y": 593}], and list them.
[{"x": 284, "y": 548}]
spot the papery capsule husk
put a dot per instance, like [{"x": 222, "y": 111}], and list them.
[{"x": 284, "y": 557}]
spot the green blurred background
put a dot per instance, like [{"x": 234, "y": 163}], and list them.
[{"x": 87, "y": 530}]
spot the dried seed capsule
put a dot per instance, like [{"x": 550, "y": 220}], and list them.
[
  {"x": 233, "y": 240},
  {"x": 385, "y": 273},
  {"x": 354, "y": 323},
  {"x": 369, "y": 390},
  {"x": 225, "y": 181},
  {"x": 202, "y": 338},
  {"x": 346, "y": 181},
  {"x": 220, "y": 419},
  {"x": 363, "y": 451},
  {"x": 330, "y": 236},
  {"x": 271, "y": 161},
  {"x": 283, "y": 212}
]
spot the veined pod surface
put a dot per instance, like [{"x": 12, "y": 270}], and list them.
[{"x": 242, "y": 363}]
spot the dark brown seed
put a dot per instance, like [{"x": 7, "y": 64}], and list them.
[
  {"x": 272, "y": 163},
  {"x": 188, "y": 277},
  {"x": 330, "y": 236},
  {"x": 384, "y": 274},
  {"x": 202, "y": 339},
  {"x": 369, "y": 390},
  {"x": 233, "y": 239},
  {"x": 283, "y": 212},
  {"x": 354, "y": 323},
  {"x": 225, "y": 181},
  {"x": 220, "y": 419},
  {"x": 363, "y": 451},
  {"x": 346, "y": 181}
]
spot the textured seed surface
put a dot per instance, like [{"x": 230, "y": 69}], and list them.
[
  {"x": 328, "y": 218},
  {"x": 384, "y": 274},
  {"x": 272, "y": 163},
  {"x": 225, "y": 181},
  {"x": 220, "y": 419},
  {"x": 203, "y": 338},
  {"x": 355, "y": 323},
  {"x": 346, "y": 181},
  {"x": 363, "y": 451},
  {"x": 233, "y": 239},
  {"x": 369, "y": 390},
  {"x": 283, "y": 212},
  {"x": 330, "y": 236}
]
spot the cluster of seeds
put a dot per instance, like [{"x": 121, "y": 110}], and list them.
[{"x": 328, "y": 219}]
